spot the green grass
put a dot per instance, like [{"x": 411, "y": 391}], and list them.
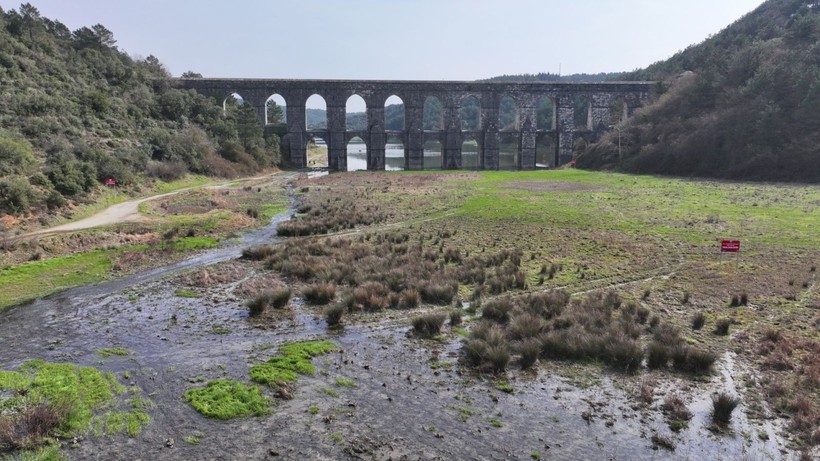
[
  {"x": 186, "y": 293},
  {"x": 294, "y": 361},
  {"x": 191, "y": 243},
  {"x": 687, "y": 209},
  {"x": 195, "y": 438},
  {"x": 269, "y": 210},
  {"x": 113, "y": 351},
  {"x": 344, "y": 382},
  {"x": 162, "y": 187},
  {"x": 35, "y": 279},
  {"x": 87, "y": 394},
  {"x": 228, "y": 399}
]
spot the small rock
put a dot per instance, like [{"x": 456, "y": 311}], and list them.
[
  {"x": 169, "y": 443},
  {"x": 273, "y": 452}
]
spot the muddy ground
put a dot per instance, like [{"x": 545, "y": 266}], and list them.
[{"x": 411, "y": 400}]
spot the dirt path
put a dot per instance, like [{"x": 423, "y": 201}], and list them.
[{"x": 128, "y": 211}]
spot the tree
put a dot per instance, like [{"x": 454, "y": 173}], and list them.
[
  {"x": 104, "y": 37},
  {"x": 191, "y": 74},
  {"x": 248, "y": 128},
  {"x": 275, "y": 113},
  {"x": 31, "y": 18}
]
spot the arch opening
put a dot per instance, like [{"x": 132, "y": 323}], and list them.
[
  {"x": 317, "y": 155},
  {"x": 276, "y": 112},
  {"x": 394, "y": 155},
  {"x": 356, "y": 154},
  {"x": 315, "y": 113},
  {"x": 545, "y": 151},
  {"x": 508, "y": 152},
  {"x": 433, "y": 118},
  {"x": 470, "y": 114},
  {"x": 355, "y": 113},
  {"x": 507, "y": 114},
  {"x": 618, "y": 111},
  {"x": 394, "y": 114},
  {"x": 432, "y": 155},
  {"x": 231, "y": 101},
  {"x": 470, "y": 154},
  {"x": 582, "y": 115},
  {"x": 545, "y": 114}
]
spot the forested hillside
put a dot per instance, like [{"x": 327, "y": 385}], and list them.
[
  {"x": 75, "y": 110},
  {"x": 744, "y": 104}
]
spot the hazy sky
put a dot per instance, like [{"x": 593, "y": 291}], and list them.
[{"x": 399, "y": 39}]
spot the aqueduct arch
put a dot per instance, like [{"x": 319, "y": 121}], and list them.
[{"x": 525, "y": 130}]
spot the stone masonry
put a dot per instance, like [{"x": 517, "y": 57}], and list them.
[{"x": 564, "y": 132}]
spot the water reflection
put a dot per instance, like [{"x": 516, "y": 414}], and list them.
[{"x": 394, "y": 158}]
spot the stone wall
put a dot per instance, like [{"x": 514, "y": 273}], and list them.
[{"x": 413, "y": 94}]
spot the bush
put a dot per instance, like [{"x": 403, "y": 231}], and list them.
[
  {"x": 440, "y": 294},
  {"x": 497, "y": 358},
  {"x": 722, "y": 327},
  {"x": 657, "y": 355},
  {"x": 523, "y": 325},
  {"x": 622, "y": 352},
  {"x": 455, "y": 316},
  {"x": 529, "y": 349},
  {"x": 31, "y": 426},
  {"x": 258, "y": 253},
  {"x": 723, "y": 405},
  {"x": 320, "y": 294},
  {"x": 497, "y": 310},
  {"x": 698, "y": 320},
  {"x": 370, "y": 297},
  {"x": 276, "y": 299},
  {"x": 409, "y": 299},
  {"x": 691, "y": 360},
  {"x": 549, "y": 304},
  {"x": 15, "y": 193},
  {"x": 428, "y": 325},
  {"x": 334, "y": 313}
]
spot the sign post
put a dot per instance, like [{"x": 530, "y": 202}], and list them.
[{"x": 730, "y": 246}]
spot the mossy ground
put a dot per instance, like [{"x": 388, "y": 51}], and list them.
[
  {"x": 227, "y": 399},
  {"x": 294, "y": 361},
  {"x": 88, "y": 401}
]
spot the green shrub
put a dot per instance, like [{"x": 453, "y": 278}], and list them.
[{"x": 15, "y": 193}]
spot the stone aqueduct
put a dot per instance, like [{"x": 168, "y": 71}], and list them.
[{"x": 413, "y": 94}]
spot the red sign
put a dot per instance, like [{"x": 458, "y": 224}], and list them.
[
  {"x": 110, "y": 182},
  {"x": 730, "y": 246}
]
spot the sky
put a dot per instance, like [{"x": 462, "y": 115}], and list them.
[{"x": 399, "y": 39}]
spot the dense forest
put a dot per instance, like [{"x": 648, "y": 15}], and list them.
[
  {"x": 743, "y": 104},
  {"x": 75, "y": 110}
]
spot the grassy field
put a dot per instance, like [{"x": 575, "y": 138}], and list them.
[
  {"x": 192, "y": 220},
  {"x": 433, "y": 238}
]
